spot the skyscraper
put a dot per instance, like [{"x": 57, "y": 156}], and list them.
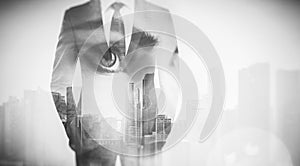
[
  {"x": 132, "y": 129},
  {"x": 167, "y": 125},
  {"x": 254, "y": 96},
  {"x": 71, "y": 105},
  {"x": 14, "y": 130},
  {"x": 288, "y": 112},
  {"x": 149, "y": 104},
  {"x": 160, "y": 120},
  {"x": 2, "y": 133}
]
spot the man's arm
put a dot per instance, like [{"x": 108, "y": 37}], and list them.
[{"x": 64, "y": 67}]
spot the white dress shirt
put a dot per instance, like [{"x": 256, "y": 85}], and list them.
[
  {"x": 127, "y": 14},
  {"x": 103, "y": 83}
]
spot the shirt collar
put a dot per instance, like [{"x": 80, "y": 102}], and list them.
[{"x": 105, "y": 4}]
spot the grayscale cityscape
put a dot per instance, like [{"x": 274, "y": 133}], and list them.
[
  {"x": 24, "y": 120},
  {"x": 150, "y": 83}
]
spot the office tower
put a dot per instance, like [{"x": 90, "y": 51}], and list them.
[
  {"x": 288, "y": 111},
  {"x": 131, "y": 130},
  {"x": 160, "y": 120},
  {"x": 33, "y": 135},
  {"x": 71, "y": 105},
  {"x": 38, "y": 107},
  {"x": 168, "y": 125},
  {"x": 139, "y": 109},
  {"x": 149, "y": 104},
  {"x": 60, "y": 105},
  {"x": 254, "y": 96},
  {"x": 13, "y": 130},
  {"x": 2, "y": 132}
]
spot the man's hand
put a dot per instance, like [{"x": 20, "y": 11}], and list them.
[{"x": 79, "y": 139}]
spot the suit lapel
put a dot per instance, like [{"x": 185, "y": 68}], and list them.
[
  {"x": 139, "y": 19},
  {"x": 96, "y": 23}
]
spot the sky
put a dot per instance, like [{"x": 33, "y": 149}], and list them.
[{"x": 243, "y": 32}]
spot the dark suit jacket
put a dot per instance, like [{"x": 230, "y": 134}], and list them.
[{"x": 82, "y": 40}]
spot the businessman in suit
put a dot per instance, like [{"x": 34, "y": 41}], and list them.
[{"x": 107, "y": 38}]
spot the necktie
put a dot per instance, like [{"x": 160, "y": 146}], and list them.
[{"x": 117, "y": 37}]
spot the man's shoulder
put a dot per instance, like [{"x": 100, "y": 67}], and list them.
[
  {"x": 78, "y": 9},
  {"x": 154, "y": 7},
  {"x": 85, "y": 7}
]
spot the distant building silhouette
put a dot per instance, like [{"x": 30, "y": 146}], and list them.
[
  {"x": 254, "y": 96},
  {"x": 2, "y": 133},
  {"x": 26, "y": 135},
  {"x": 288, "y": 111},
  {"x": 14, "y": 129}
]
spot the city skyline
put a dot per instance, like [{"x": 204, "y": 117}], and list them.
[{"x": 279, "y": 120}]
